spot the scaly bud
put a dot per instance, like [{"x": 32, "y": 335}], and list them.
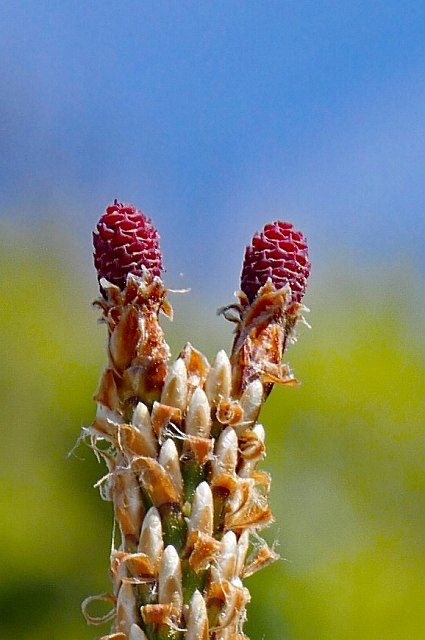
[
  {"x": 280, "y": 253},
  {"x": 126, "y": 608},
  {"x": 227, "y": 560},
  {"x": 136, "y": 633},
  {"x": 150, "y": 541},
  {"x": 170, "y": 579},
  {"x": 141, "y": 419},
  {"x": 251, "y": 400},
  {"x": 219, "y": 380},
  {"x": 201, "y": 518},
  {"x": 198, "y": 419},
  {"x": 174, "y": 392},
  {"x": 197, "y": 624},
  {"x": 126, "y": 242},
  {"x": 226, "y": 452},
  {"x": 169, "y": 459}
]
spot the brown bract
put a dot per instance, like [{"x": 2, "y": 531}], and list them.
[
  {"x": 263, "y": 330},
  {"x": 137, "y": 350}
]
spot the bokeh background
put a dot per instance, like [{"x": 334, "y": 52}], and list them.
[{"x": 215, "y": 117}]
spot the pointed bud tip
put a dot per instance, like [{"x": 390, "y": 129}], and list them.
[
  {"x": 171, "y": 556},
  {"x": 125, "y": 241},
  {"x": 203, "y": 493}
]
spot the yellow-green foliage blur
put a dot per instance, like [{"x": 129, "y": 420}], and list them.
[{"x": 345, "y": 450}]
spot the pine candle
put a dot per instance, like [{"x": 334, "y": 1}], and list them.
[{"x": 181, "y": 440}]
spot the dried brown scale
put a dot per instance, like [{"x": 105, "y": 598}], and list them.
[
  {"x": 182, "y": 449},
  {"x": 263, "y": 330},
  {"x": 137, "y": 350}
]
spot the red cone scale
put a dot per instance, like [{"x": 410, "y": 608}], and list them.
[
  {"x": 125, "y": 242},
  {"x": 278, "y": 252}
]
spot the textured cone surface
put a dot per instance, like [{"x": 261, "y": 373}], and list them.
[
  {"x": 126, "y": 242},
  {"x": 278, "y": 252}
]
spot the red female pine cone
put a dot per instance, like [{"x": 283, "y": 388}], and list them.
[
  {"x": 278, "y": 252},
  {"x": 125, "y": 242}
]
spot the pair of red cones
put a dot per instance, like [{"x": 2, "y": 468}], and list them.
[{"x": 126, "y": 242}]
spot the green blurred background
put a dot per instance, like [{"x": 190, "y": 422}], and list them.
[
  {"x": 215, "y": 117},
  {"x": 345, "y": 449}
]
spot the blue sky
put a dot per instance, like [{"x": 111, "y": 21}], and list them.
[{"x": 216, "y": 117}]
